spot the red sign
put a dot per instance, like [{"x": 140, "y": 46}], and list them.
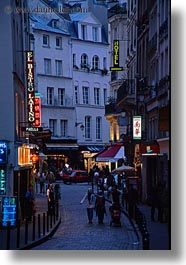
[
  {"x": 30, "y": 86},
  {"x": 37, "y": 111}
]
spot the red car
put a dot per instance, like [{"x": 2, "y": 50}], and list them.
[{"x": 75, "y": 176}]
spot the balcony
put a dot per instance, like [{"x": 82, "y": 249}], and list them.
[
  {"x": 152, "y": 45},
  {"x": 110, "y": 108},
  {"x": 127, "y": 89}
]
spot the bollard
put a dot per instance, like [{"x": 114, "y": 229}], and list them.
[
  {"x": 43, "y": 223},
  {"x": 18, "y": 234},
  {"x": 146, "y": 241},
  {"x": 47, "y": 222},
  {"x": 39, "y": 226},
  {"x": 34, "y": 228},
  {"x": 50, "y": 220},
  {"x": 8, "y": 236},
  {"x": 26, "y": 231}
]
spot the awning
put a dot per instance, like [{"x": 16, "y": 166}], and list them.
[
  {"x": 61, "y": 146},
  {"x": 91, "y": 148},
  {"x": 150, "y": 148},
  {"x": 112, "y": 154}
]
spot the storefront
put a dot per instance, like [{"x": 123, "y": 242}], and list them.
[
  {"x": 151, "y": 174},
  {"x": 61, "y": 153}
]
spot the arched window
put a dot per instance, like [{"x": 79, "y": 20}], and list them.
[
  {"x": 95, "y": 62},
  {"x": 84, "y": 61}
]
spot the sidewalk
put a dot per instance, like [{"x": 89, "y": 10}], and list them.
[
  {"x": 159, "y": 232},
  {"x": 26, "y": 240}
]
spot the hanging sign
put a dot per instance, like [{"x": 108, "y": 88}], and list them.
[
  {"x": 136, "y": 127},
  {"x": 116, "y": 66},
  {"x": 30, "y": 86}
]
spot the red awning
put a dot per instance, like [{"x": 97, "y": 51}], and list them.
[
  {"x": 150, "y": 148},
  {"x": 112, "y": 154}
]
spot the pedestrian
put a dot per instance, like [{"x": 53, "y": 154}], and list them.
[
  {"x": 132, "y": 199},
  {"x": 29, "y": 203},
  {"x": 41, "y": 183},
  {"x": 89, "y": 196},
  {"x": 115, "y": 195},
  {"x": 51, "y": 199},
  {"x": 100, "y": 206}
]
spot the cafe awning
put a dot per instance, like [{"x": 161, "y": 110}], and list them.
[
  {"x": 111, "y": 154},
  {"x": 61, "y": 146}
]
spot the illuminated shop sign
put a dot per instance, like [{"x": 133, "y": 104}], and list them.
[
  {"x": 30, "y": 86},
  {"x": 116, "y": 66},
  {"x": 9, "y": 211},
  {"x": 24, "y": 156},
  {"x": 136, "y": 127},
  {"x": 3, "y": 152},
  {"x": 37, "y": 110},
  {"x": 2, "y": 182}
]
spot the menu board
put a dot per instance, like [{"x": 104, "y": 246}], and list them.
[{"x": 9, "y": 211}]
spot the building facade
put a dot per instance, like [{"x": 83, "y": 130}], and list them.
[
  {"x": 15, "y": 163},
  {"x": 71, "y": 58}
]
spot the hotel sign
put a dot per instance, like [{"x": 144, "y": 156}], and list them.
[
  {"x": 136, "y": 127},
  {"x": 116, "y": 66},
  {"x": 30, "y": 86}
]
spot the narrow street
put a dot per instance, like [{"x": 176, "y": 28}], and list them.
[{"x": 75, "y": 233}]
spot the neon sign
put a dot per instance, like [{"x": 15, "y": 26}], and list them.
[
  {"x": 3, "y": 152},
  {"x": 116, "y": 66},
  {"x": 37, "y": 110},
  {"x": 30, "y": 86}
]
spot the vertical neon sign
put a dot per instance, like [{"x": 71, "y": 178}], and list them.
[{"x": 30, "y": 86}]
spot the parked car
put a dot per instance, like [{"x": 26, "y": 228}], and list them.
[{"x": 75, "y": 176}]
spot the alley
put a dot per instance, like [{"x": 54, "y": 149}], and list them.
[{"x": 74, "y": 232}]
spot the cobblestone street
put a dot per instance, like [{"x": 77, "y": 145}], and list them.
[{"x": 75, "y": 233}]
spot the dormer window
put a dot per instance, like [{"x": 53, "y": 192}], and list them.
[
  {"x": 95, "y": 34},
  {"x": 83, "y": 32},
  {"x": 55, "y": 23}
]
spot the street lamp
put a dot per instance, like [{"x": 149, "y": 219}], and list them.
[{"x": 81, "y": 126}]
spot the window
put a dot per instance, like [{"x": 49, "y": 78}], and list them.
[
  {"x": 63, "y": 128},
  {"x": 58, "y": 67},
  {"x": 95, "y": 34},
  {"x": 95, "y": 62},
  {"x": 98, "y": 128},
  {"x": 87, "y": 127},
  {"x": 104, "y": 63},
  {"x": 53, "y": 126},
  {"x": 105, "y": 96},
  {"x": 47, "y": 67},
  {"x": 58, "y": 42},
  {"x": 84, "y": 61},
  {"x": 61, "y": 96},
  {"x": 46, "y": 40},
  {"x": 74, "y": 59},
  {"x": 83, "y": 32},
  {"x": 76, "y": 95},
  {"x": 96, "y": 96},
  {"x": 85, "y": 95},
  {"x": 50, "y": 95}
]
